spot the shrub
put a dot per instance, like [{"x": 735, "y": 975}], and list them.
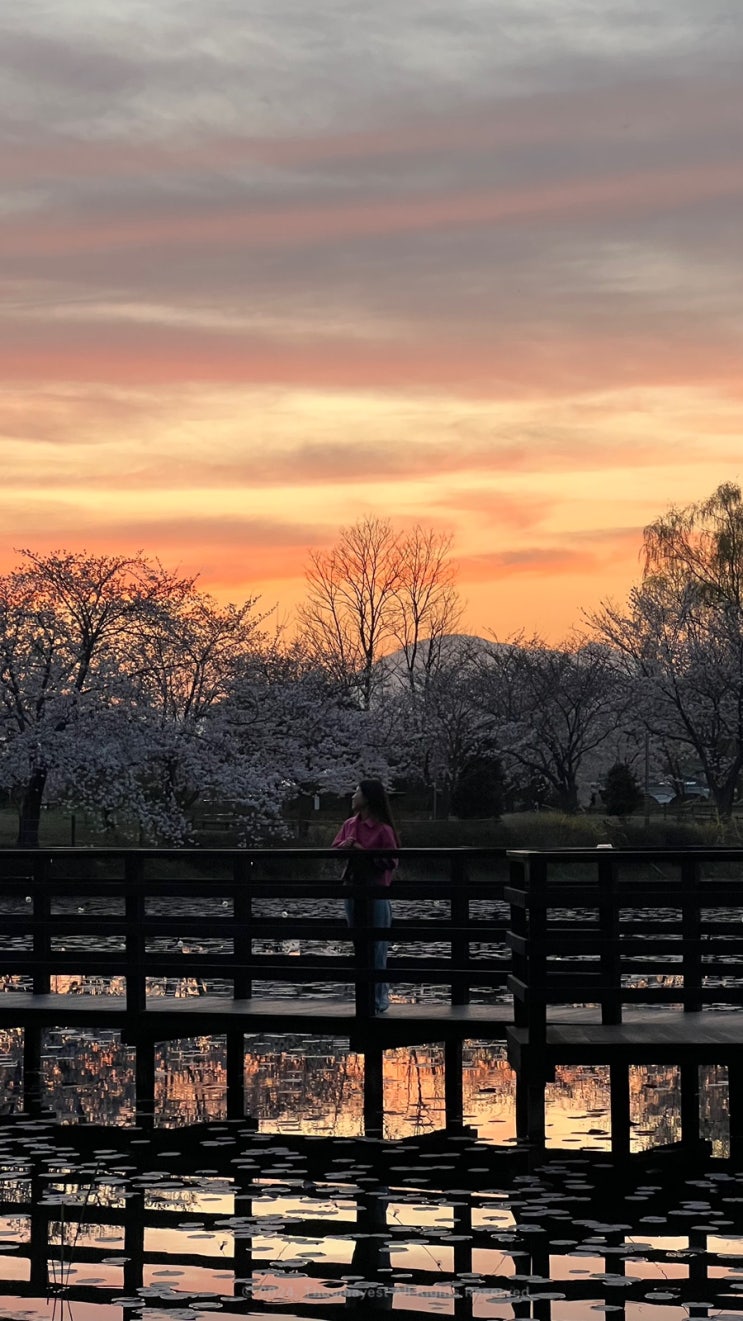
[
  {"x": 479, "y": 790},
  {"x": 622, "y": 794}
]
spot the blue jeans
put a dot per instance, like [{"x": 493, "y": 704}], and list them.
[{"x": 381, "y": 916}]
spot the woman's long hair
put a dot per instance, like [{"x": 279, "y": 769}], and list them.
[{"x": 378, "y": 803}]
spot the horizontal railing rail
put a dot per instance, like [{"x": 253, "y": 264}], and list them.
[
  {"x": 613, "y": 928},
  {"x": 241, "y": 922},
  {"x": 603, "y": 927}
]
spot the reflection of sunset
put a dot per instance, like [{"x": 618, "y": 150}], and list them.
[{"x": 317, "y": 1089}]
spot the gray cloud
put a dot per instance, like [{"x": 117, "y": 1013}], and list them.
[{"x": 474, "y": 187}]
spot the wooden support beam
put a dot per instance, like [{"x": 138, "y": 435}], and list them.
[
  {"x": 735, "y": 1107},
  {"x": 453, "y": 1086},
  {"x": 39, "y": 1233},
  {"x": 690, "y": 1134},
  {"x": 463, "y": 1296},
  {"x": 372, "y": 1249},
  {"x": 134, "y": 1225},
  {"x": 32, "y": 1087},
  {"x": 698, "y": 1264},
  {"x": 530, "y": 1116}
]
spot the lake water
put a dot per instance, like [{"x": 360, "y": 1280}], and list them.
[
  {"x": 292, "y": 1212},
  {"x": 307, "y": 1218}
]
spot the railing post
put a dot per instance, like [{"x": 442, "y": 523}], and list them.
[
  {"x": 42, "y": 940},
  {"x": 243, "y": 914},
  {"x": 610, "y": 958},
  {"x": 518, "y": 928},
  {"x": 691, "y": 932},
  {"x": 136, "y": 985},
  {"x": 460, "y": 916},
  {"x": 365, "y": 987},
  {"x": 536, "y": 908}
]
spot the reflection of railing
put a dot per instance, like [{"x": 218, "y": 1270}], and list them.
[{"x": 498, "y": 1244}]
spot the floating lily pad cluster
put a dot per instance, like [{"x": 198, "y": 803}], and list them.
[{"x": 220, "y": 1219}]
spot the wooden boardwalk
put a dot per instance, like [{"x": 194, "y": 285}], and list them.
[
  {"x": 652, "y": 941},
  {"x": 584, "y": 956},
  {"x": 402, "y": 1024}
]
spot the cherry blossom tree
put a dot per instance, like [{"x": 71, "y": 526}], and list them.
[
  {"x": 550, "y": 708},
  {"x": 299, "y": 720},
  {"x": 68, "y": 625}
]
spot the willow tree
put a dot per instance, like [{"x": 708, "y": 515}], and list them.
[{"x": 679, "y": 639}]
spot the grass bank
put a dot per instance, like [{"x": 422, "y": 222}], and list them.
[{"x": 536, "y": 830}]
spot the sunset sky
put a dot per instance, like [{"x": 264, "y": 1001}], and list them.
[{"x": 269, "y": 266}]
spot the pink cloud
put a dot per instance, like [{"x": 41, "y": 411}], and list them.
[
  {"x": 500, "y": 368},
  {"x": 632, "y": 192}
]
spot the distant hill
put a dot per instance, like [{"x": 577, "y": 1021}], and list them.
[{"x": 454, "y": 647}]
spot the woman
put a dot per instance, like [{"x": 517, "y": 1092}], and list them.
[{"x": 371, "y": 831}]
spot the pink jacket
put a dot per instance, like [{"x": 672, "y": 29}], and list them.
[{"x": 376, "y": 836}]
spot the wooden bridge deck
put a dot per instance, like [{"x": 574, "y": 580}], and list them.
[
  {"x": 574, "y": 1033},
  {"x": 599, "y": 957},
  {"x": 168, "y": 1015},
  {"x": 652, "y": 1036}
]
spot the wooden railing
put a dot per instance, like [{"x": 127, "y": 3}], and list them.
[
  {"x": 620, "y": 927},
  {"x": 239, "y": 921}
]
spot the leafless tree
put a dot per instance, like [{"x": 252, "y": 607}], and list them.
[
  {"x": 375, "y": 587},
  {"x": 428, "y": 608}
]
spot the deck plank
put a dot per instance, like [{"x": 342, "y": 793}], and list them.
[
  {"x": 645, "y": 1036},
  {"x": 574, "y": 1028}
]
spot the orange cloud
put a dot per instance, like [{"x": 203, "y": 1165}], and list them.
[
  {"x": 556, "y": 560},
  {"x": 236, "y": 550}
]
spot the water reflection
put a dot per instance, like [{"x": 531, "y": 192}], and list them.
[
  {"x": 314, "y": 1086},
  {"x": 306, "y": 1227}
]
